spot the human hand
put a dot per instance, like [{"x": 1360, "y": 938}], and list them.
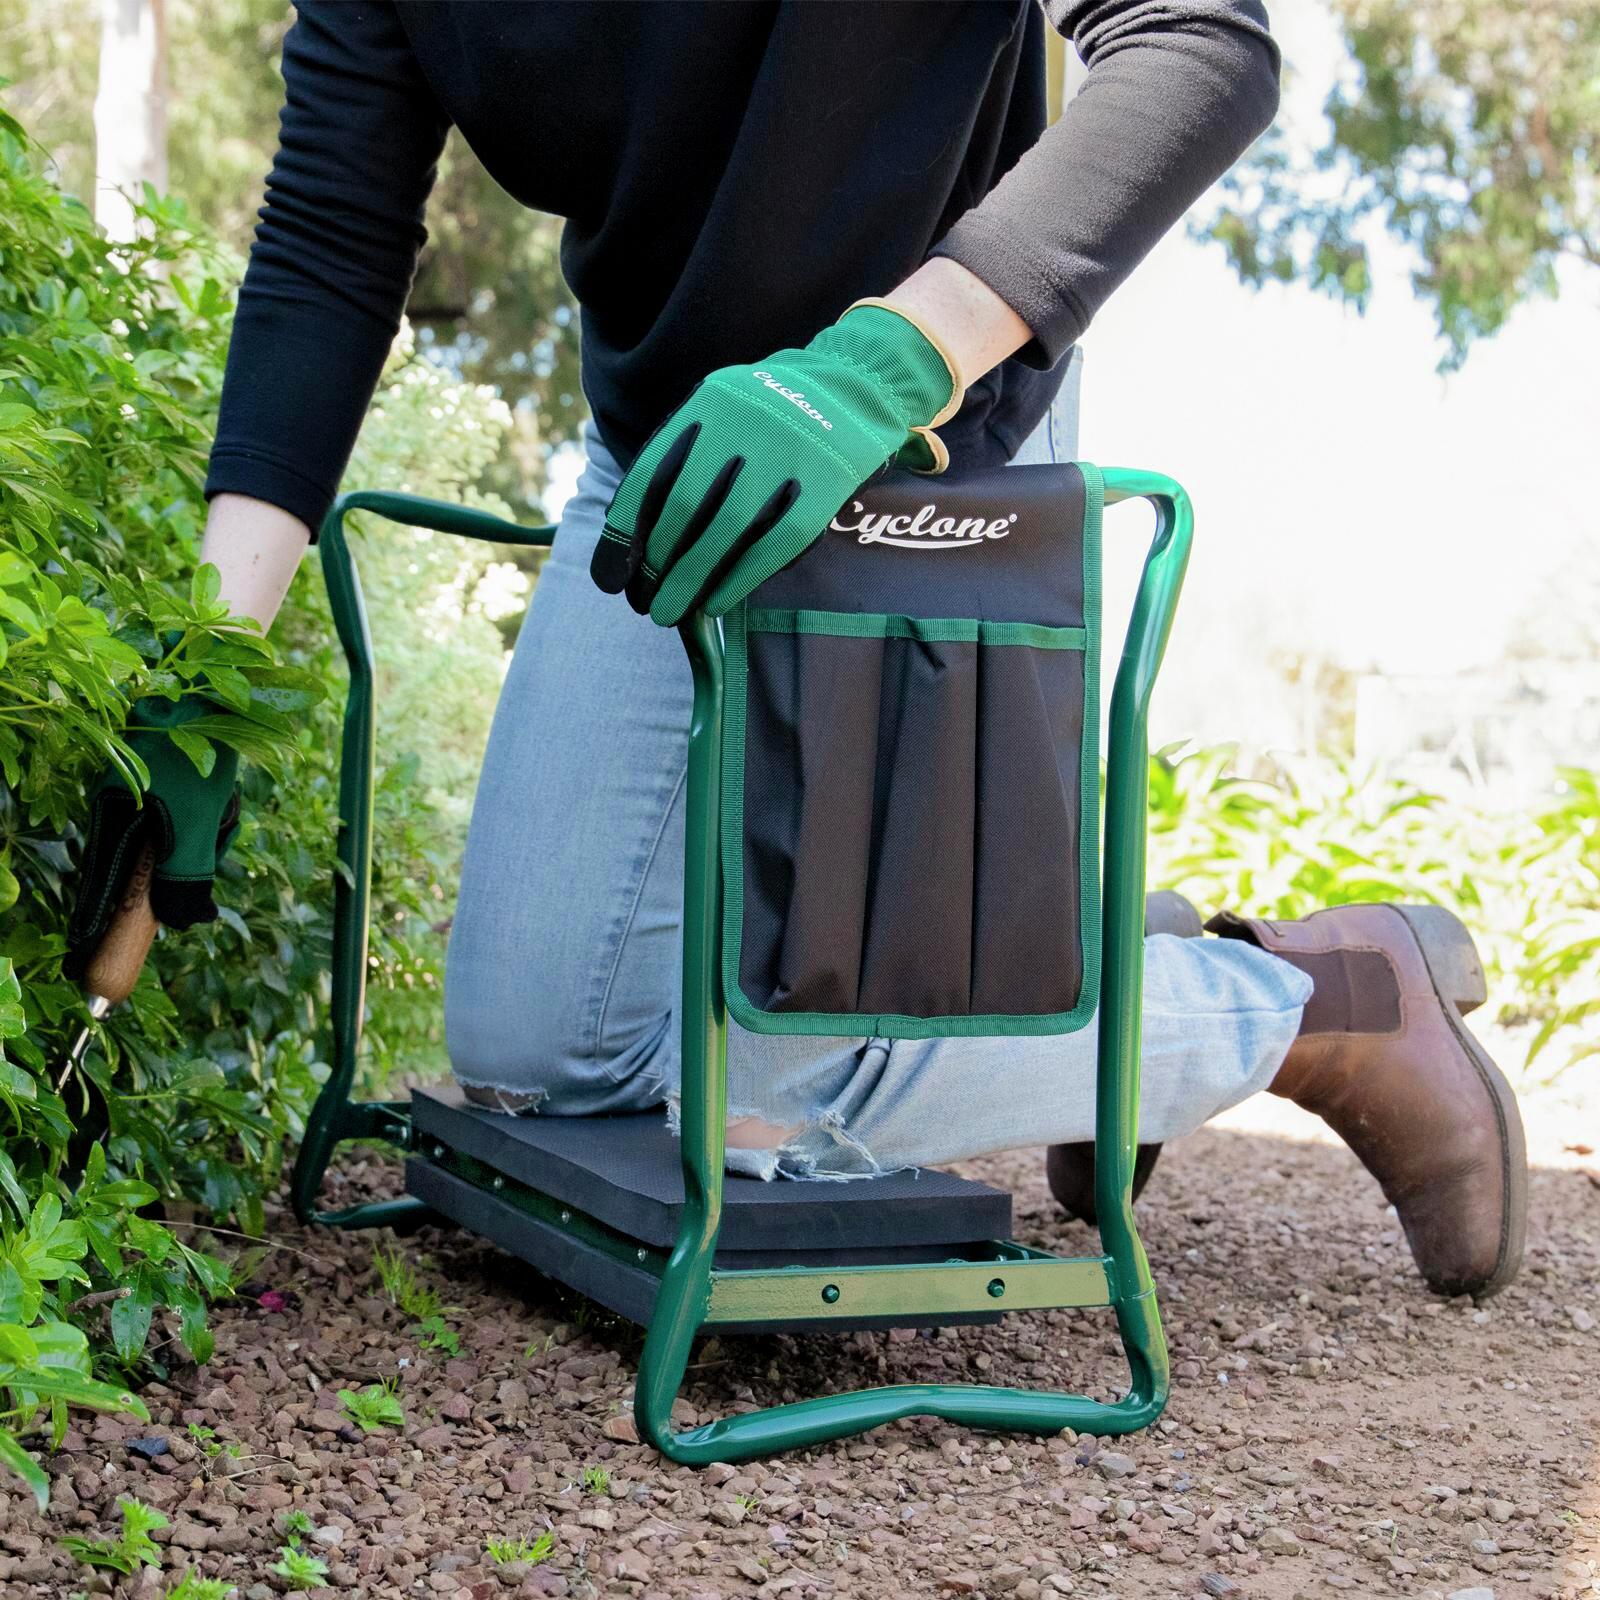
[
  {"x": 750, "y": 470},
  {"x": 187, "y": 819}
]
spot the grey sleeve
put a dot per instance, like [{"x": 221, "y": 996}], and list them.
[{"x": 1176, "y": 91}]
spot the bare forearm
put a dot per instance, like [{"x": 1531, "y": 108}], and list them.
[{"x": 256, "y": 547}]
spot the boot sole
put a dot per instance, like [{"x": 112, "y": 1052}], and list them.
[{"x": 1458, "y": 980}]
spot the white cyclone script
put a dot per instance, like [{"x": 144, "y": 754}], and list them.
[
  {"x": 924, "y": 530},
  {"x": 793, "y": 396}
]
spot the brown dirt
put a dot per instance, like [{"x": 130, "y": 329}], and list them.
[{"x": 1332, "y": 1427}]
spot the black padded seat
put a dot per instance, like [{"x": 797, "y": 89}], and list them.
[{"x": 625, "y": 1173}]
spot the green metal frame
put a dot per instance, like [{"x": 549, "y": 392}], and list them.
[
  {"x": 336, "y": 1117},
  {"x": 694, "y": 1294}
]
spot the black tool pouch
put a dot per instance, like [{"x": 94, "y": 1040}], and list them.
[{"x": 910, "y": 792}]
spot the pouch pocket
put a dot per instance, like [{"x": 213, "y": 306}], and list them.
[{"x": 904, "y": 825}]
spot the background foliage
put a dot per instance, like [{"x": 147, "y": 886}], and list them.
[
  {"x": 1465, "y": 130},
  {"x": 110, "y": 364},
  {"x": 489, "y": 302},
  {"x": 1302, "y": 832}
]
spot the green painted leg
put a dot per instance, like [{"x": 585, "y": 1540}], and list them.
[
  {"x": 336, "y": 1117},
  {"x": 690, "y": 1285},
  {"x": 685, "y": 1295}
]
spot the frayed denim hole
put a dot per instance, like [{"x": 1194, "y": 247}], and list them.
[{"x": 504, "y": 1098}]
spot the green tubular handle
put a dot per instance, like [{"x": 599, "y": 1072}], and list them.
[
  {"x": 1122, "y": 935},
  {"x": 685, "y": 1291},
  {"x": 335, "y": 1118},
  {"x": 440, "y": 515}
]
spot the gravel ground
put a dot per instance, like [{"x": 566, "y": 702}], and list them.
[{"x": 1332, "y": 1426}]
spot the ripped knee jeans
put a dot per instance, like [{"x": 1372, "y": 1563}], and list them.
[{"x": 562, "y": 984}]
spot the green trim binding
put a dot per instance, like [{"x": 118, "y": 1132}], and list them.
[
  {"x": 744, "y": 620},
  {"x": 928, "y": 630}
]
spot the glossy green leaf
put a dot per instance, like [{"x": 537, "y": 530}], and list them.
[
  {"x": 12, "y": 1455},
  {"x": 130, "y": 1317}
]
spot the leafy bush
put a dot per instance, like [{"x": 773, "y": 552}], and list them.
[
  {"x": 1310, "y": 831},
  {"x": 1559, "y": 966},
  {"x": 110, "y": 366}
]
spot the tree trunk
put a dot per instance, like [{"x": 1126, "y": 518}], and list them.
[{"x": 130, "y": 110}]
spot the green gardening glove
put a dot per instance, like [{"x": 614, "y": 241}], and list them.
[
  {"x": 747, "y": 473},
  {"x": 189, "y": 819}
]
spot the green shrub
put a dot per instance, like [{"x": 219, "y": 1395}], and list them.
[
  {"x": 1311, "y": 831},
  {"x": 1559, "y": 967},
  {"x": 110, "y": 368}
]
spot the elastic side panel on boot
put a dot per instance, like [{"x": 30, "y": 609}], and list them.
[
  {"x": 1355, "y": 991},
  {"x": 910, "y": 803}
]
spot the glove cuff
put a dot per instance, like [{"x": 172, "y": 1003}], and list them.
[{"x": 958, "y": 387}]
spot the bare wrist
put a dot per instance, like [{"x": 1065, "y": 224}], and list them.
[
  {"x": 256, "y": 547},
  {"x": 969, "y": 321}
]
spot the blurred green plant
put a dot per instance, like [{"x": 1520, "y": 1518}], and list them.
[
  {"x": 529, "y": 1552},
  {"x": 110, "y": 367},
  {"x": 131, "y": 1550},
  {"x": 376, "y": 1406},
  {"x": 191, "y": 1586},
  {"x": 1304, "y": 832},
  {"x": 1561, "y": 948},
  {"x": 298, "y": 1569}
]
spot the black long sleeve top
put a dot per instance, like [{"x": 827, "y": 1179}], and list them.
[{"x": 732, "y": 177}]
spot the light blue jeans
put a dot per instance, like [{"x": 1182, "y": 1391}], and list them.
[{"x": 562, "y": 983}]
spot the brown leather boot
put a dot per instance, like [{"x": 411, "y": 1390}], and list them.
[
  {"x": 1384, "y": 1060},
  {"x": 1069, "y": 1168}
]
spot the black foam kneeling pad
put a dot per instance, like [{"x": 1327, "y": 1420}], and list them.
[
  {"x": 630, "y": 1290},
  {"x": 626, "y": 1172}
]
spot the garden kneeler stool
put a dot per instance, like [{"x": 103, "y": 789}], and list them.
[{"x": 929, "y": 670}]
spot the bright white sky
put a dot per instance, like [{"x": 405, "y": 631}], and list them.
[{"x": 1349, "y": 501}]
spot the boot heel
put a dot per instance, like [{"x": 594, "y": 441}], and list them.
[
  {"x": 1450, "y": 954},
  {"x": 1167, "y": 911}
]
